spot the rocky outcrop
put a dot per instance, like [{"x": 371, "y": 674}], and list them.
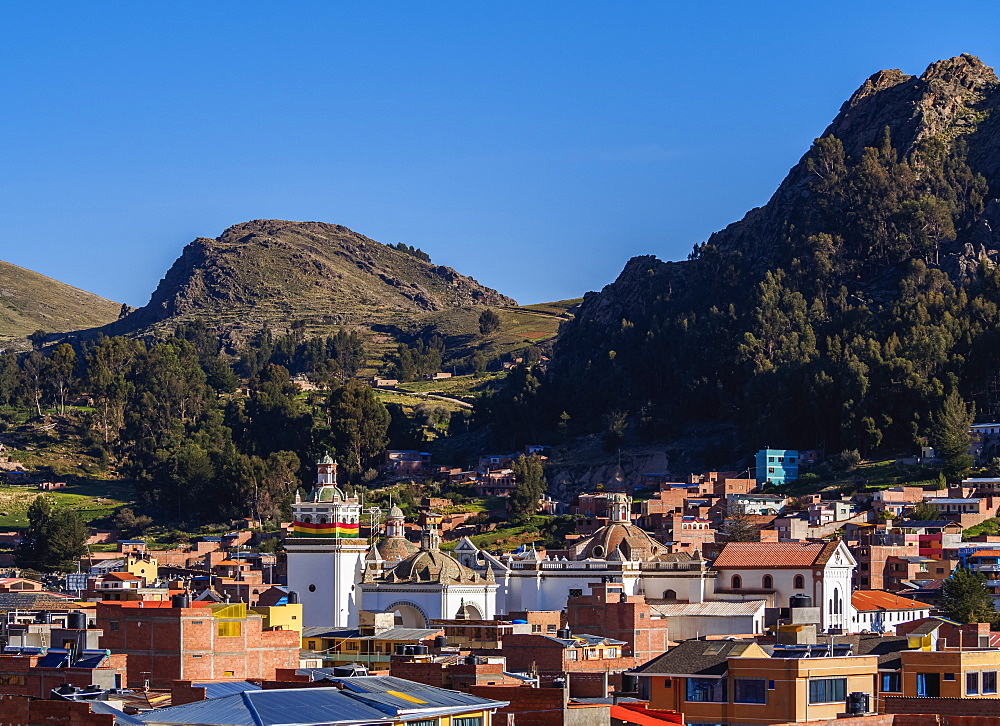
[{"x": 269, "y": 271}]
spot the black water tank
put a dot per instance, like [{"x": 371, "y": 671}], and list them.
[
  {"x": 420, "y": 649},
  {"x": 563, "y": 633},
  {"x": 43, "y": 616},
  {"x": 857, "y": 702},
  {"x": 76, "y": 621},
  {"x": 400, "y": 649},
  {"x": 293, "y": 597},
  {"x": 800, "y": 601},
  {"x": 409, "y": 650},
  {"x": 471, "y": 660},
  {"x": 630, "y": 683},
  {"x": 440, "y": 642}
]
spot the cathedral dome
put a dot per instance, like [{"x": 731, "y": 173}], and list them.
[
  {"x": 432, "y": 566},
  {"x": 395, "y": 512},
  {"x": 328, "y": 494},
  {"x": 395, "y": 548},
  {"x": 635, "y": 544}
]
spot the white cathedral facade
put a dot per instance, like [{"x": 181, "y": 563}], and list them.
[{"x": 337, "y": 573}]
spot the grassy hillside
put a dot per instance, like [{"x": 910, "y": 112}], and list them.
[{"x": 30, "y": 301}]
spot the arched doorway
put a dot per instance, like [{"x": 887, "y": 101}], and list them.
[
  {"x": 408, "y": 615},
  {"x": 468, "y": 611}
]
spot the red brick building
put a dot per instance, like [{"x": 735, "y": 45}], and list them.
[
  {"x": 609, "y": 612},
  {"x": 37, "y": 675},
  {"x": 589, "y": 664},
  {"x": 201, "y": 643}
]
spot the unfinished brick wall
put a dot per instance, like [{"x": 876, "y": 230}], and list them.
[{"x": 22, "y": 711}]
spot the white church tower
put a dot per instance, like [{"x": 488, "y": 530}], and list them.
[{"x": 325, "y": 552}]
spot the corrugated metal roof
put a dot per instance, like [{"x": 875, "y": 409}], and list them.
[
  {"x": 365, "y": 699},
  {"x": 121, "y": 718},
  {"x": 413, "y": 634},
  {"x": 711, "y": 609},
  {"x": 218, "y": 689}
]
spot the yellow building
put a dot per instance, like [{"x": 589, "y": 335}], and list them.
[
  {"x": 374, "y": 649},
  {"x": 949, "y": 673},
  {"x": 142, "y": 566},
  {"x": 281, "y": 617},
  {"x": 737, "y": 682}
]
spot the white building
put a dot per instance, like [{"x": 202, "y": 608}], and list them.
[
  {"x": 778, "y": 570},
  {"x": 325, "y": 553},
  {"x": 340, "y": 575},
  {"x": 880, "y": 611}
]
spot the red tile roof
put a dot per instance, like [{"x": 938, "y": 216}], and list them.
[
  {"x": 756, "y": 555},
  {"x": 880, "y": 600},
  {"x": 120, "y": 576}
]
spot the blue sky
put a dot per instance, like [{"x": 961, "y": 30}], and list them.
[{"x": 534, "y": 146}]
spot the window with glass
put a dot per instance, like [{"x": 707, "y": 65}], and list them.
[
  {"x": 972, "y": 684},
  {"x": 827, "y": 690},
  {"x": 706, "y": 690},
  {"x": 423, "y": 722},
  {"x": 989, "y": 682},
  {"x": 750, "y": 690},
  {"x": 467, "y": 721},
  {"x": 891, "y": 683},
  {"x": 928, "y": 684}
]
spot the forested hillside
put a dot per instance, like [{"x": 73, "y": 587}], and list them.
[{"x": 843, "y": 313}]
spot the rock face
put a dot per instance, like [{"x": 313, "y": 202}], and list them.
[
  {"x": 273, "y": 271},
  {"x": 957, "y": 98}
]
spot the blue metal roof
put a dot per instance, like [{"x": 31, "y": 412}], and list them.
[
  {"x": 363, "y": 699},
  {"x": 218, "y": 689}
]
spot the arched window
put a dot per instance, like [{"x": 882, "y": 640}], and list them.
[
  {"x": 307, "y": 519},
  {"x": 322, "y": 520},
  {"x": 768, "y": 582},
  {"x": 737, "y": 582},
  {"x": 669, "y": 595},
  {"x": 836, "y": 601},
  {"x": 800, "y": 582}
]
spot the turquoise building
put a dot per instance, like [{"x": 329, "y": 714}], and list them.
[{"x": 777, "y": 466}]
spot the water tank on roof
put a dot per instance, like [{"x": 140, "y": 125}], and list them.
[
  {"x": 440, "y": 641},
  {"x": 563, "y": 633},
  {"x": 400, "y": 649},
  {"x": 800, "y": 601},
  {"x": 76, "y": 621},
  {"x": 293, "y": 597},
  {"x": 420, "y": 649}
]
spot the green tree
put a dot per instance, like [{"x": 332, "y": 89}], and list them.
[
  {"x": 613, "y": 425},
  {"x": 951, "y": 436},
  {"x": 358, "y": 423},
  {"x": 738, "y": 527},
  {"x": 529, "y": 475},
  {"x": 53, "y": 539},
  {"x": 964, "y": 598},
  {"x": 923, "y": 512},
  {"x": 489, "y": 321},
  {"x": 62, "y": 373},
  {"x": 38, "y": 338}
]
